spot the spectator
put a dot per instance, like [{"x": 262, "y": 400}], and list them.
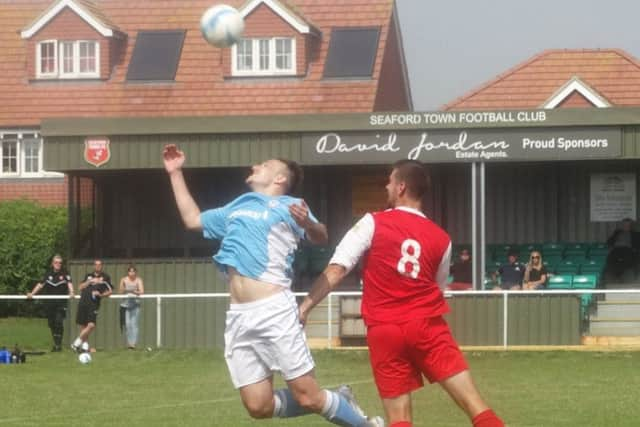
[
  {"x": 56, "y": 281},
  {"x": 133, "y": 286},
  {"x": 510, "y": 273},
  {"x": 624, "y": 244},
  {"x": 535, "y": 273},
  {"x": 96, "y": 285},
  {"x": 461, "y": 272}
]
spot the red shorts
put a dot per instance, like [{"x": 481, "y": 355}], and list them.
[{"x": 401, "y": 353}]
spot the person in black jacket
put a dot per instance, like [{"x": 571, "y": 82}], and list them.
[
  {"x": 56, "y": 281},
  {"x": 624, "y": 246}
]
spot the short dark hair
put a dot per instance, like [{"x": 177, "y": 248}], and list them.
[
  {"x": 296, "y": 175},
  {"x": 415, "y": 175}
]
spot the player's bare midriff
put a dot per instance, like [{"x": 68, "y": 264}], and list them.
[{"x": 244, "y": 289}]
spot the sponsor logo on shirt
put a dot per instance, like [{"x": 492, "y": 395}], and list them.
[{"x": 249, "y": 214}]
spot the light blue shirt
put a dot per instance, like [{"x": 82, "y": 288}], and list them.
[{"x": 259, "y": 236}]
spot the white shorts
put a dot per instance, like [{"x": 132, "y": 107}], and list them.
[{"x": 266, "y": 336}]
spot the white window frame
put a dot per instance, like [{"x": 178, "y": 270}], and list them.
[
  {"x": 39, "y": 73},
  {"x": 255, "y": 50},
  {"x": 23, "y": 139},
  {"x": 59, "y": 59},
  {"x": 24, "y": 143},
  {"x": 2, "y": 153}
]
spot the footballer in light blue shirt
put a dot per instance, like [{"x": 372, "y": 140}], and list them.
[{"x": 259, "y": 236}]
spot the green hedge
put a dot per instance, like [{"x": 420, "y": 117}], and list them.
[{"x": 31, "y": 235}]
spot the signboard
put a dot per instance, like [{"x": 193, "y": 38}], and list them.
[
  {"x": 613, "y": 197},
  {"x": 466, "y": 145},
  {"x": 96, "y": 151}
]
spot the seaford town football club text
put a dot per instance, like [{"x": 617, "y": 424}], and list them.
[{"x": 454, "y": 118}]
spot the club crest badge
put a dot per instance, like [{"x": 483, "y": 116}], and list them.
[{"x": 96, "y": 151}]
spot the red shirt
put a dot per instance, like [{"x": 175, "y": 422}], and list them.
[{"x": 406, "y": 263}]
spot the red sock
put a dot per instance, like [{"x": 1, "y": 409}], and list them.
[
  {"x": 401, "y": 424},
  {"x": 487, "y": 419}
]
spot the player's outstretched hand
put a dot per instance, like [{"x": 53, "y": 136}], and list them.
[
  {"x": 173, "y": 158},
  {"x": 300, "y": 214}
]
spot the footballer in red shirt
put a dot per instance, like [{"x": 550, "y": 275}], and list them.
[{"x": 406, "y": 263}]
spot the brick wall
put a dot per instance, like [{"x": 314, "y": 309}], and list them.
[
  {"x": 46, "y": 191},
  {"x": 575, "y": 100}
]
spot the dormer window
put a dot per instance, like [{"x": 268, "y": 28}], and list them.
[
  {"x": 64, "y": 59},
  {"x": 264, "y": 57},
  {"x": 46, "y": 58}
]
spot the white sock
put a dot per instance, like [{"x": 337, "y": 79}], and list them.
[
  {"x": 330, "y": 405},
  {"x": 77, "y": 342},
  {"x": 85, "y": 346}
]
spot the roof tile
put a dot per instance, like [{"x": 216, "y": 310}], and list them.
[
  {"x": 200, "y": 87},
  {"x": 613, "y": 73}
]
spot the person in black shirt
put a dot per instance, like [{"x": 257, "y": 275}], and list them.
[
  {"x": 535, "y": 273},
  {"x": 96, "y": 285},
  {"x": 511, "y": 273},
  {"x": 56, "y": 281},
  {"x": 624, "y": 247},
  {"x": 461, "y": 272}
]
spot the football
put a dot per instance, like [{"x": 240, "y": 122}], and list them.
[
  {"x": 221, "y": 25},
  {"x": 84, "y": 358}
]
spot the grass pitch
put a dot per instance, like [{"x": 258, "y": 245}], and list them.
[{"x": 192, "y": 388}]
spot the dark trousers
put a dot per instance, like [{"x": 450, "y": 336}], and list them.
[
  {"x": 56, "y": 313},
  {"x": 621, "y": 259}
]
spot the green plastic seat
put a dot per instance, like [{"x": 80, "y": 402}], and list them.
[
  {"x": 492, "y": 266},
  {"x": 552, "y": 249},
  {"x": 551, "y": 261},
  {"x": 576, "y": 259},
  {"x": 585, "y": 281},
  {"x": 576, "y": 250},
  {"x": 567, "y": 267},
  {"x": 598, "y": 250},
  {"x": 559, "y": 281},
  {"x": 592, "y": 267},
  {"x": 526, "y": 249}
]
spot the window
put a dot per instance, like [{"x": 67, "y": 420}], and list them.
[
  {"x": 352, "y": 53},
  {"x": 46, "y": 58},
  {"x": 68, "y": 59},
  {"x": 10, "y": 155},
  {"x": 245, "y": 55},
  {"x": 156, "y": 55},
  {"x": 21, "y": 154},
  {"x": 264, "y": 57},
  {"x": 31, "y": 159}
]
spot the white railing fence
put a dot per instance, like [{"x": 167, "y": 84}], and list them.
[{"x": 330, "y": 302}]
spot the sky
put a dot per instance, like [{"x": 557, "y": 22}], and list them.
[{"x": 453, "y": 46}]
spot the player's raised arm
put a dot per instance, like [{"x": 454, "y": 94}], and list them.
[{"x": 189, "y": 210}]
